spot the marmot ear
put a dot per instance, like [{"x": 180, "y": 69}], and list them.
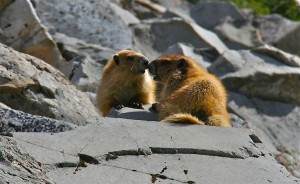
[
  {"x": 116, "y": 59},
  {"x": 181, "y": 63}
]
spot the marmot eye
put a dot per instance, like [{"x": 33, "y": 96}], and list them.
[{"x": 129, "y": 58}]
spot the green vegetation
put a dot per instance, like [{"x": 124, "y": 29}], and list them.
[{"x": 286, "y": 8}]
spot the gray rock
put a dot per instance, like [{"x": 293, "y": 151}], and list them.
[
  {"x": 22, "y": 30},
  {"x": 276, "y": 124},
  {"x": 224, "y": 19},
  {"x": 158, "y": 35},
  {"x": 139, "y": 151},
  {"x": 17, "y": 167},
  {"x": 18, "y": 121},
  {"x": 204, "y": 57},
  {"x": 238, "y": 35},
  {"x": 92, "y": 21},
  {"x": 211, "y": 14},
  {"x": 257, "y": 75},
  {"x": 30, "y": 85},
  {"x": 280, "y": 32}
]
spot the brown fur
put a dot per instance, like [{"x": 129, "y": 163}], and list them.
[
  {"x": 190, "y": 94},
  {"x": 125, "y": 82}
]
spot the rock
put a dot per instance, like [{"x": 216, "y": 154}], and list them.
[
  {"x": 257, "y": 75},
  {"x": 18, "y": 121},
  {"x": 238, "y": 35},
  {"x": 22, "y": 30},
  {"x": 92, "y": 21},
  {"x": 139, "y": 151},
  {"x": 30, "y": 85},
  {"x": 280, "y": 32},
  {"x": 162, "y": 35},
  {"x": 286, "y": 58},
  {"x": 211, "y": 14},
  {"x": 203, "y": 56},
  {"x": 229, "y": 23},
  {"x": 85, "y": 61},
  {"x": 275, "y": 123},
  {"x": 17, "y": 167}
]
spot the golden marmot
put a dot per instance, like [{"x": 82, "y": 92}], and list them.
[
  {"x": 189, "y": 93},
  {"x": 125, "y": 82}
]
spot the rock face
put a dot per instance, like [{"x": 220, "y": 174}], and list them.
[
  {"x": 17, "y": 121},
  {"x": 151, "y": 152},
  {"x": 17, "y": 167},
  {"x": 22, "y": 30},
  {"x": 30, "y": 85}
]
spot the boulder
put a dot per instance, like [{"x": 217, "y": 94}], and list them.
[
  {"x": 276, "y": 124},
  {"x": 18, "y": 121},
  {"x": 17, "y": 167},
  {"x": 22, "y": 29},
  {"x": 258, "y": 75},
  {"x": 30, "y": 85},
  {"x": 92, "y": 21},
  {"x": 280, "y": 32},
  {"x": 160, "y": 34},
  {"x": 132, "y": 151}
]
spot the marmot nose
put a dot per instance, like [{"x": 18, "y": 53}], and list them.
[
  {"x": 152, "y": 68},
  {"x": 145, "y": 61}
]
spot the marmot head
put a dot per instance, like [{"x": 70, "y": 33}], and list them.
[
  {"x": 168, "y": 66},
  {"x": 131, "y": 61}
]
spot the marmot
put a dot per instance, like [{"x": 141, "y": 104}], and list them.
[
  {"x": 125, "y": 82},
  {"x": 189, "y": 94}
]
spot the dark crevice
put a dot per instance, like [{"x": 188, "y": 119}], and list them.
[{"x": 255, "y": 138}]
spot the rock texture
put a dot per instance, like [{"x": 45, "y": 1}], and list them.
[
  {"x": 151, "y": 152},
  {"x": 18, "y": 121},
  {"x": 21, "y": 29},
  {"x": 30, "y": 85}
]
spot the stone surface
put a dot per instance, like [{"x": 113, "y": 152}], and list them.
[
  {"x": 92, "y": 21},
  {"x": 22, "y": 30},
  {"x": 276, "y": 123},
  {"x": 18, "y": 121},
  {"x": 280, "y": 32},
  {"x": 30, "y": 85},
  {"x": 146, "y": 151},
  {"x": 258, "y": 75},
  {"x": 17, "y": 167}
]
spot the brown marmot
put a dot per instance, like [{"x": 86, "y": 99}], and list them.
[
  {"x": 189, "y": 94},
  {"x": 125, "y": 82}
]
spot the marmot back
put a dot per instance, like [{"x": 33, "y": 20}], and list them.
[
  {"x": 190, "y": 94},
  {"x": 125, "y": 82}
]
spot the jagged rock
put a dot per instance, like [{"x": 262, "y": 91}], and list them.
[
  {"x": 229, "y": 23},
  {"x": 277, "y": 124},
  {"x": 17, "y": 167},
  {"x": 30, "y": 85},
  {"x": 258, "y": 75},
  {"x": 92, "y": 21},
  {"x": 238, "y": 35},
  {"x": 22, "y": 30},
  {"x": 204, "y": 57},
  {"x": 286, "y": 58},
  {"x": 211, "y": 14},
  {"x": 131, "y": 151},
  {"x": 18, "y": 121},
  {"x": 158, "y": 35},
  {"x": 85, "y": 61},
  {"x": 280, "y": 32}
]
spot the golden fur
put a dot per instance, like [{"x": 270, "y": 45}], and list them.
[
  {"x": 125, "y": 82},
  {"x": 189, "y": 94}
]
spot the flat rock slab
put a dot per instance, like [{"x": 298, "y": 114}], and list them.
[{"x": 131, "y": 151}]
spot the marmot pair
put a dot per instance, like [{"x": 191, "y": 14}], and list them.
[{"x": 189, "y": 93}]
